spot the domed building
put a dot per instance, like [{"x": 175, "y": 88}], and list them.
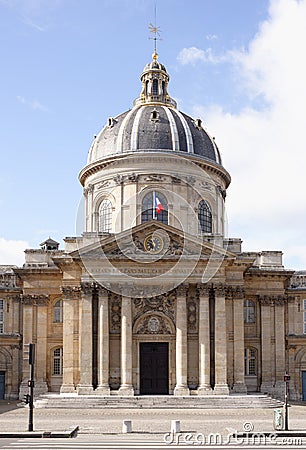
[{"x": 152, "y": 297}]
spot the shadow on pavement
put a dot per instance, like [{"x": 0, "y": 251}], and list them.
[{"x": 8, "y": 405}]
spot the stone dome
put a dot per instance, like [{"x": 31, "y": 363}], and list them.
[
  {"x": 154, "y": 124},
  {"x": 153, "y": 128}
]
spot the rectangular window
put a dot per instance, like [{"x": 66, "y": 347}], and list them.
[
  {"x": 58, "y": 361},
  {"x": 57, "y": 367},
  {"x": 1, "y": 316}
]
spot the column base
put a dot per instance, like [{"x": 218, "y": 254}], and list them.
[
  {"x": 103, "y": 390},
  {"x": 126, "y": 391},
  {"x": 180, "y": 391},
  {"x": 85, "y": 389},
  {"x": 67, "y": 389},
  {"x": 240, "y": 388},
  {"x": 221, "y": 389},
  {"x": 205, "y": 389},
  {"x": 266, "y": 387},
  {"x": 40, "y": 388}
]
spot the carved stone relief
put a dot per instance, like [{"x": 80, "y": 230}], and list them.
[
  {"x": 115, "y": 313},
  {"x": 163, "y": 303},
  {"x": 192, "y": 315},
  {"x": 153, "y": 325}
]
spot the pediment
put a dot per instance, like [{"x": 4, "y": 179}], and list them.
[{"x": 133, "y": 244}]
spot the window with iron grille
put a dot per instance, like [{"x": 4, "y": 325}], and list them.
[
  {"x": 58, "y": 361},
  {"x": 250, "y": 361},
  {"x": 1, "y": 316},
  {"x": 204, "y": 217},
  {"x": 249, "y": 311},
  {"x": 58, "y": 312},
  {"x": 105, "y": 216},
  {"x": 154, "y": 206}
]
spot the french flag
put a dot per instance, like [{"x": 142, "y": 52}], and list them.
[{"x": 157, "y": 205}]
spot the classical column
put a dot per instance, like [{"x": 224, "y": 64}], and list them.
[
  {"x": 266, "y": 355},
  {"x": 27, "y": 333},
  {"x": 238, "y": 299},
  {"x": 103, "y": 343},
  {"x": 126, "y": 387},
  {"x": 221, "y": 386},
  {"x": 181, "y": 387},
  {"x": 204, "y": 341},
  {"x": 279, "y": 325},
  {"x": 71, "y": 294},
  {"x": 30, "y": 318},
  {"x": 86, "y": 376},
  {"x": 41, "y": 386}
]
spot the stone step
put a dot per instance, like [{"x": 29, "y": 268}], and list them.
[{"x": 205, "y": 402}]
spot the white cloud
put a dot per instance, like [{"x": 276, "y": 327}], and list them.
[
  {"x": 12, "y": 252},
  {"x": 192, "y": 55},
  {"x": 33, "y": 104},
  {"x": 211, "y": 37},
  {"x": 264, "y": 150}
]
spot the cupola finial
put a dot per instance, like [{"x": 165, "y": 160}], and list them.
[{"x": 155, "y": 30}]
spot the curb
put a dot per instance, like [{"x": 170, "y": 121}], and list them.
[{"x": 70, "y": 433}]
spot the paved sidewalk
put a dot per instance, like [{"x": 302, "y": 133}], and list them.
[{"x": 146, "y": 421}]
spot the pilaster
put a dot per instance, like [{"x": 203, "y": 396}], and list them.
[
  {"x": 266, "y": 348},
  {"x": 280, "y": 366}
]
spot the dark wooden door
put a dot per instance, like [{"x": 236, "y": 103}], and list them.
[
  {"x": 2, "y": 385},
  {"x": 304, "y": 384},
  {"x": 154, "y": 371}
]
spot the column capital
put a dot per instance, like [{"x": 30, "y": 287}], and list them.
[
  {"x": 71, "y": 291},
  {"x": 277, "y": 300},
  {"x": 181, "y": 290},
  {"x": 87, "y": 288},
  {"x": 238, "y": 292},
  {"x": 220, "y": 290},
  {"x": 203, "y": 289},
  {"x": 102, "y": 291},
  {"x": 34, "y": 299}
]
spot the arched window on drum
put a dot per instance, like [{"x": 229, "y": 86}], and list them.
[
  {"x": 154, "y": 207},
  {"x": 204, "y": 217},
  {"x": 105, "y": 216}
]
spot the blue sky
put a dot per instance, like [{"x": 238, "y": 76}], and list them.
[{"x": 67, "y": 65}]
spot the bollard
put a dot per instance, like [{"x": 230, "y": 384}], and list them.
[
  {"x": 175, "y": 426},
  {"x": 278, "y": 422},
  {"x": 127, "y": 426}
]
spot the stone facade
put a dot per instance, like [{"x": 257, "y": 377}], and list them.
[{"x": 153, "y": 298}]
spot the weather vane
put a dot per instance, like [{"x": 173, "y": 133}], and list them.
[{"x": 156, "y": 31}]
